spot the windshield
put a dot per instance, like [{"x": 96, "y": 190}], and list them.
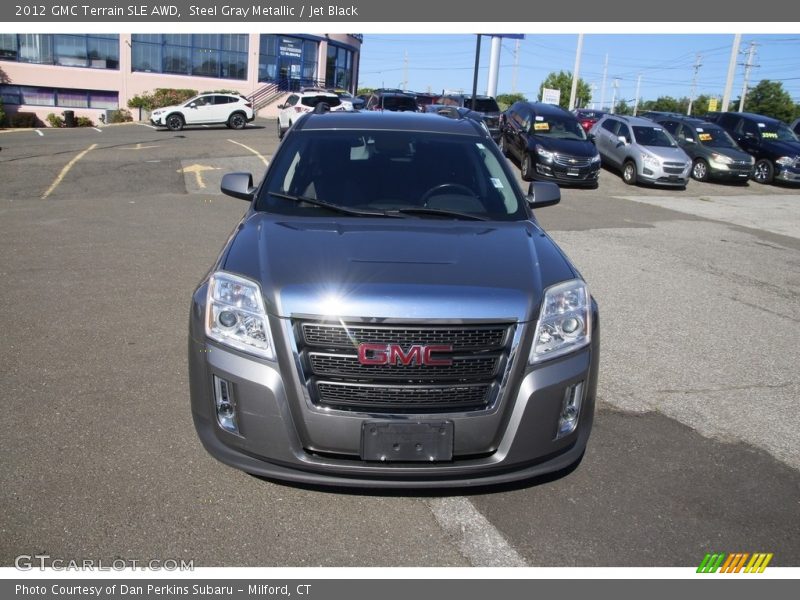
[
  {"x": 382, "y": 171},
  {"x": 557, "y": 126},
  {"x": 653, "y": 136},
  {"x": 312, "y": 101},
  {"x": 776, "y": 131},
  {"x": 714, "y": 137},
  {"x": 486, "y": 105},
  {"x": 399, "y": 103}
]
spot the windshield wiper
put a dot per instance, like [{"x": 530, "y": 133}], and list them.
[
  {"x": 421, "y": 210},
  {"x": 334, "y": 207}
]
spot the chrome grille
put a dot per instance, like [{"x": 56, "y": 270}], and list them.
[
  {"x": 425, "y": 398},
  {"x": 335, "y": 378},
  {"x": 565, "y": 160},
  {"x": 461, "y": 338}
]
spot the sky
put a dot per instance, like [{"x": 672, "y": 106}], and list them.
[{"x": 665, "y": 62}]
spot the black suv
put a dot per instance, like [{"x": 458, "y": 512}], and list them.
[
  {"x": 774, "y": 146},
  {"x": 394, "y": 100},
  {"x": 485, "y": 106},
  {"x": 549, "y": 143},
  {"x": 714, "y": 154}
]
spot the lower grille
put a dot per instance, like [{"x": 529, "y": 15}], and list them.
[
  {"x": 673, "y": 170},
  {"x": 425, "y": 398}
]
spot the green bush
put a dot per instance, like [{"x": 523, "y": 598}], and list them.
[
  {"x": 24, "y": 119},
  {"x": 161, "y": 97},
  {"x": 120, "y": 116},
  {"x": 84, "y": 122},
  {"x": 54, "y": 120}
]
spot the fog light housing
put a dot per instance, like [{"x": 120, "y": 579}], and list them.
[
  {"x": 225, "y": 406},
  {"x": 570, "y": 410}
]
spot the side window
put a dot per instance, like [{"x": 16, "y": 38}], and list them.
[
  {"x": 672, "y": 127},
  {"x": 223, "y": 99},
  {"x": 610, "y": 125},
  {"x": 292, "y": 100},
  {"x": 624, "y": 130},
  {"x": 750, "y": 128}
]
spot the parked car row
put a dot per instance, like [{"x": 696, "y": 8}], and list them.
[{"x": 656, "y": 148}]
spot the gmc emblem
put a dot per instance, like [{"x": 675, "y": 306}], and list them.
[{"x": 394, "y": 354}]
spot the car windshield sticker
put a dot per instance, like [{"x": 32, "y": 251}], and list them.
[
  {"x": 699, "y": 130},
  {"x": 762, "y": 124},
  {"x": 541, "y": 126},
  {"x": 658, "y": 129},
  {"x": 496, "y": 183},
  {"x": 770, "y": 134},
  {"x": 481, "y": 146},
  {"x": 539, "y": 118},
  {"x": 705, "y": 137}
]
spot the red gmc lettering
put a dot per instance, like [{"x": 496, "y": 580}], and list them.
[
  {"x": 383, "y": 354},
  {"x": 437, "y": 362},
  {"x": 379, "y": 354}
]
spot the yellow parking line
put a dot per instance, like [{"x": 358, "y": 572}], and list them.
[
  {"x": 65, "y": 170},
  {"x": 256, "y": 152}
]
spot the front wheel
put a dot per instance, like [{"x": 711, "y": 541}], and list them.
[
  {"x": 629, "y": 173},
  {"x": 700, "y": 170},
  {"x": 174, "y": 122},
  {"x": 503, "y": 145},
  {"x": 764, "y": 171},
  {"x": 527, "y": 168},
  {"x": 237, "y": 121}
]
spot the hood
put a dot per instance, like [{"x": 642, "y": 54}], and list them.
[
  {"x": 574, "y": 147},
  {"x": 398, "y": 269},
  {"x": 734, "y": 153},
  {"x": 666, "y": 153},
  {"x": 781, "y": 148}
]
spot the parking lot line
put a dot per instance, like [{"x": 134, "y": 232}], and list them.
[
  {"x": 254, "y": 151},
  {"x": 65, "y": 170},
  {"x": 146, "y": 125},
  {"x": 97, "y": 129},
  {"x": 39, "y": 132}
]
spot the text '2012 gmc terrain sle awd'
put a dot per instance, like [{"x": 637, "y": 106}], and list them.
[{"x": 389, "y": 313}]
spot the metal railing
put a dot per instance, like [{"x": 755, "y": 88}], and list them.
[{"x": 273, "y": 90}]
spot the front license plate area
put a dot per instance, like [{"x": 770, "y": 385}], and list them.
[
  {"x": 393, "y": 441},
  {"x": 573, "y": 172}
]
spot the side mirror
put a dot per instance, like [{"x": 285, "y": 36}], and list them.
[
  {"x": 193, "y": 105},
  {"x": 622, "y": 139},
  {"x": 543, "y": 193},
  {"x": 689, "y": 140},
  {"x": 281, "y": 106},
  {"x": 238, "y": 185},
  {"x": 591, "y": 137}
]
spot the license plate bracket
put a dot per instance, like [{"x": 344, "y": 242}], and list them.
[
  {"x": 573, "y": 172},
  {"x": 407, "y": 441}
]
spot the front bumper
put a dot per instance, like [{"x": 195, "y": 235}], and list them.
[
  {"x": 282, "y": 437},
  {"x": 787, "y": 174},
  {"x": 663, "y": 175},
  {"x": 578, "y": 176}
]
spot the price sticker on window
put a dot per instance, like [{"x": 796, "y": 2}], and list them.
[{"x": 541, "y": 126}]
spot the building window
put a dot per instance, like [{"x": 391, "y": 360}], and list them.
[
  {"x": 61, "y": 97},
  {"x": 222, "y": 56},
  {"x": 287, "y": 60},
  {"x": 93, "y": 51},
  {"x": 339, "y": 71}
]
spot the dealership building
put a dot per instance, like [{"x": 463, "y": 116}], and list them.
[{"x": 92, "y": 73}]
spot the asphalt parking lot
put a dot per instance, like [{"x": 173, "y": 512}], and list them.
[{"x": 104, "y": 235}]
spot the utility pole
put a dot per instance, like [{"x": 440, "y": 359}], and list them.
[
  {"x": 636, "y": 102},
  {"x": 614, "y": 96},
  {"x": 697, "y": 65},
  {"x": 575, "y": 73},
  {"x": 751, "y": 53},
  {"x": 603, "y": 88},
  {"x": 594, "y": 88},
  {"x": 494, "y": 65},
  {"x": 726, "y": 98},
  {"x": 477, "y": 67},
  {"x": 516, "y": 68},
  {"x": 405, "y": 70}
]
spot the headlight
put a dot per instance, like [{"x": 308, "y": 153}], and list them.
[
  {"x": 545, "y": 154},
  {"x": 235, "y": 315},
  {"x": 564, "y": 321},
  {"x": 784, "y": 161},
  {"x": 651, "y": 161},
  {"x": 721, "y": 158},
  {"x": 596, "y": 158}
]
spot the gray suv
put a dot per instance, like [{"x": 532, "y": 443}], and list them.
[
  {"x": 642, "y": 150},
  {"x": 390, "y": 313}
]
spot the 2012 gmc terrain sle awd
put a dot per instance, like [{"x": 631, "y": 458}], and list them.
[{"x": 389, "y": 313}]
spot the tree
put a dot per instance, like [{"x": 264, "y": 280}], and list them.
[
  {"x": 770, "y": 99},
  {"x": 622, "y": 108},
  {"x": 506, "y": 100},
  {"x": 364, "y": 91},
  {"x": 563, "y": 81}
]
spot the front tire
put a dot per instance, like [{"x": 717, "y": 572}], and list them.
[
  {"x": 175, "y": 122},
  {"x": 527, "y": 168},
  {"x": 504, "y": 145},
  {"x": 700, "y": 170},
  {"x": 237, "y": 121},
  {"x": 629, "y": 172},
  {"x": 281, "y": 130},
  {"x": 764, "y": 172}
]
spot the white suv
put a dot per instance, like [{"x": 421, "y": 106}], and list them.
[
  {"x": 306, "y": 101},
  {"x": 206, "y": 109}
]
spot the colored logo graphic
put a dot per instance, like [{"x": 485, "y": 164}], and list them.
[{"x": 735, "y": 563}]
